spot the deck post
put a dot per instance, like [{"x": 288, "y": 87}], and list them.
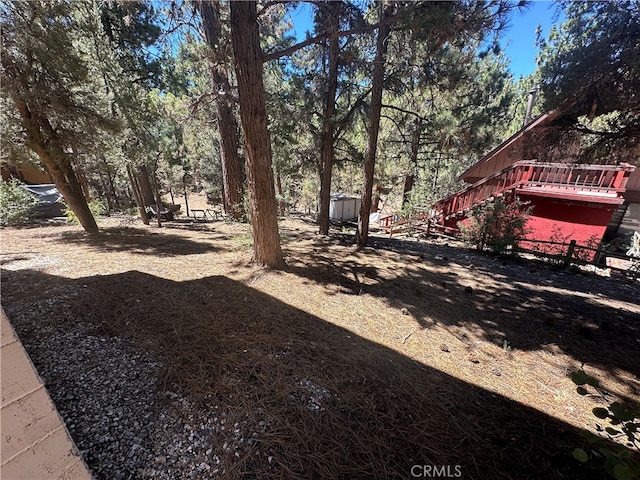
[{"x": 570, "y": 250}]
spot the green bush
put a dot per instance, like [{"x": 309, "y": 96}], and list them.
[
  {"x": 612, "y": 451},
  {"x": 95, "y": 206},
  {"x": 16, "y": 204},
  {"x": 497, "y": 225},
  {"x": 131, "y": 211}
]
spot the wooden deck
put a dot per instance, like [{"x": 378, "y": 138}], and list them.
[{"x": 590, "y": 183}]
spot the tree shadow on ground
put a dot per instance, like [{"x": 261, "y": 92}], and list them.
[
  {"x": 42, "y": 223},
  {"x": 485, "y": 261},
  {"x": 530, "y": 306},
  {"x": 138, "y": 241},
  {"x": 191, "y": 224},
  {"x": 188, "y": 226},
  {"x": 324, "y": 402}
]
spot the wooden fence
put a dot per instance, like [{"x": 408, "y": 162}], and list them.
[
  {"x": 570, "y": 253},
  {"x": 565, "y": 254}
]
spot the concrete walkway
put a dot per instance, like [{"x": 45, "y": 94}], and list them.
[{"x": 35, "y": 443}]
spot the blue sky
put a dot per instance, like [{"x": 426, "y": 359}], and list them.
[{"x": 518, "y": 39}]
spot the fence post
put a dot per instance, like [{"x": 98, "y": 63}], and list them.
[{"x": 570, "y": 250}]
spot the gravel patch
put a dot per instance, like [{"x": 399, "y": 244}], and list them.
[
  {"x": 20, "y": 262},
  {"x": 125, "y": 426}
]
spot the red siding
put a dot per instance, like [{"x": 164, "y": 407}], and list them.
[{"x": 561, "y": 221}]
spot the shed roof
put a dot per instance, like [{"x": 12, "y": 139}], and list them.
[{"x": 342, "y": 196}]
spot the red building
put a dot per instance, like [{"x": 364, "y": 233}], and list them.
[{"x": 570, "y": 201}]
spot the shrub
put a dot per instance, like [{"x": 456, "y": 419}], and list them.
[
  {"x": 95, "y": 206},
  {"x": 497, "y": 225},
  {"x": 16, "y": 204},
  {"x": 601, "y": 452}
]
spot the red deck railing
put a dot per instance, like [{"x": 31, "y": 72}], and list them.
[{"x": 534, "y": 176}]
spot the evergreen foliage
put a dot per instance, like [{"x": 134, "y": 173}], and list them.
[
  {"x": 497, "y": 225},
  {"x": 16, "y": 204},
  {"x": 131, "y": 28},
  {"x": 49, "y": 75},
  {"x": 116, "y": 86},
  {"x": 590, "y": 67},
  {"x": 96, "y": 206},
  {"x": 610, "y": 452}
]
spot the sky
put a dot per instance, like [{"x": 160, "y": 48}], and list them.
[{"x": 517, "y": 40}]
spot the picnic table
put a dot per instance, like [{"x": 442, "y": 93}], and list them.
[
  {"x": 199, "y": 214},
  {"x": 203, "y": 214}
]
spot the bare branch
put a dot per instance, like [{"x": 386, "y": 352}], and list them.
[
  {"x": 343, "y": 122},
  {"x": 267, "y": 57},
  {"x": 270, "y": 4},
  {"x": 408, "y": 112}
]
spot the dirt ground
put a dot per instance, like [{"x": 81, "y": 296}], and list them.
[{"x": 361, "y": 364}]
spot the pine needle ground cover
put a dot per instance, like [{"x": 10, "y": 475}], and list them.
[{"x": 377, "y": 363}]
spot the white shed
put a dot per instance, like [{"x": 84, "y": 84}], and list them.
[{"x": 344, "y": 208}]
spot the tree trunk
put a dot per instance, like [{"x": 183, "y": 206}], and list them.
[
  {"x": 107, "y": 193},
  {"x": 137, "y": 195},
  {"x": 253, "y": 113},
  {"x": 436, "y": 173},
  {"x": 229, "y": 158},
  {"x": 112, "y": 188},
  {"x": 70, "y": 188},
  {"x": 156, "y": 189},
  {"x": 281, "y": 202},
  {"x": 328, "y": 121},
  {"x": 45, "y": 142},
  {"x": 375, "y": 198},
  {"x": 409, "y": 178},
  {"x": 145, "y": 188},
  {"x": 226, "y": 120},
  {"x": 82, "y": 179},
  {"x": 377, "y": 86}
]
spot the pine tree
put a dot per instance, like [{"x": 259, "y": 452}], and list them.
[
  {"x": 51, "y": 83},
  {"x": 251, "y": 94},
  {"x": 590, "y": 68},
  {"x": 373, "y": 127},
  {"x": 226, "y": 121},
  {"x": 434, "y": 24}
]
